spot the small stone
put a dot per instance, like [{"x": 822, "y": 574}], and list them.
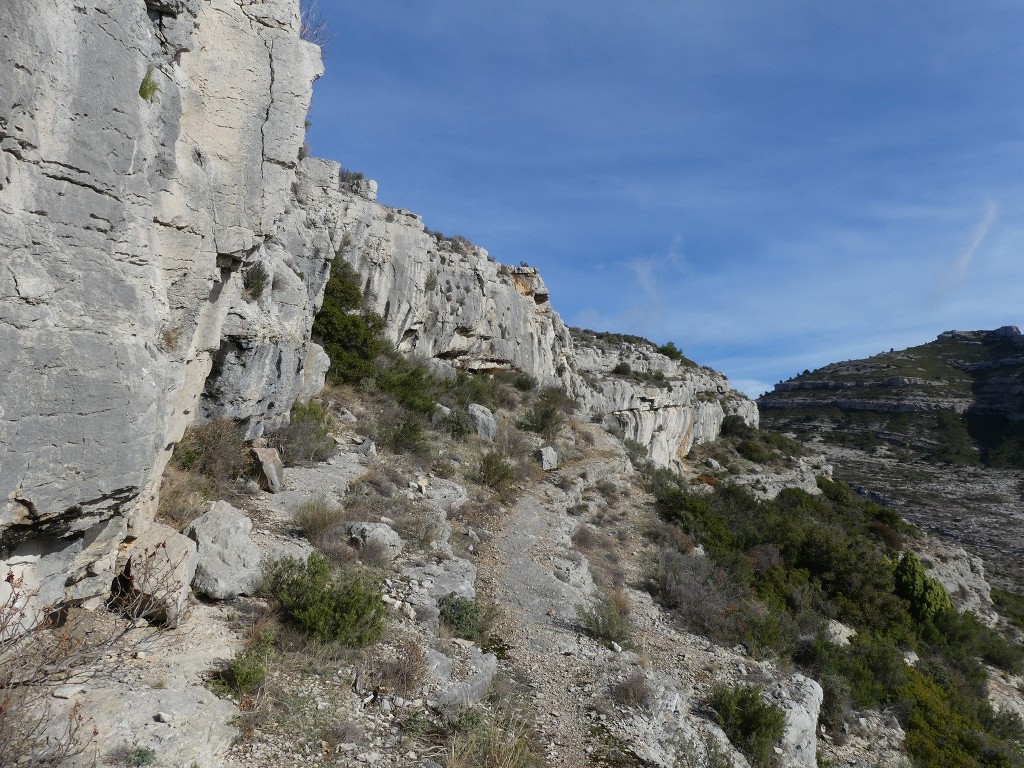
[
  {"x": 163, "y": 717},
  {"x": 615, "y": 647}
]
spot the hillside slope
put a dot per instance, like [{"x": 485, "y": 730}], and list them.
[{"x": 936, "y": 431}]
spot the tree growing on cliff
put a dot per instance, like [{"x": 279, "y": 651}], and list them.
[{"x": 351, "y": 339}]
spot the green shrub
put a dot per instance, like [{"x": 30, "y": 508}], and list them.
[
  {"x": 353, "y": 341},
  {"x": 254, "y": 279},
  {"x": 306, "y": 438},
  {"x": 622, "y": 369},
  {"x": 733, "y": 425},
  {"x": 1010, "y": 605},
  {"x": 670, "y": 350},
  {"x": 547, "y": 414},
  {"x": 524, "y": 382},
  {"x": 248, "y": 669},
  {"x": 148, "y": 87},
  {"x": 495, "y": 472},
  {"x": 461, "y": 616},
  {"x": 458, "y": 424},
  {"x": 346, "y": 608},
  {"x": 499, "y": 738},
  {"x": 405, "y": 436},
  {"x": 927, "y": 597},
  {"x": 141, "y": 756},
  {"x": 755, "y": 452},
  {"x": 753, "y": 725},
  {"x": 607, "y": 622},
  {"x": 318, "y": 516}
]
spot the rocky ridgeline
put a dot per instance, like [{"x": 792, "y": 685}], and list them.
[
  {"x": 166, "y": 251},
  {"x": 961, "y": 371}
]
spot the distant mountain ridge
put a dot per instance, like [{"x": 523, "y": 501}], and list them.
[{"x": 958, "y": 399}]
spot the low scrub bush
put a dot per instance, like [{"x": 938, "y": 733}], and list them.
[
  {"x": 346, "y": 607},
  {"x": 407, "y": 435},
  {"x": 254, "y": 280},
  {"x": 1010, "y": 605},
  {"x": 753, "y": 725},
  {"x": 306, "y": 438},
  {"x": 406, "y": 672},
  {"x": 753, "y": 451},
  {"x": 608, "y": 621},
  {"x": 461, "y": 616},
  {"x": 215, "y": 449},
  {"x": 703, "y": 596},
  {"x": 317, "y": 517},
  {"x": 499, "y": 738},
  {"x": 547, "y": 414},
  {"x": 184, "y": 496},
  {"x": 248, "y": 669},
  {"x": 495, "y": 472},
  {"x": 734, "y": 426}
]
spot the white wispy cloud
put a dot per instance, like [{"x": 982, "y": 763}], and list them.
[{"x": 956, "y": 271}]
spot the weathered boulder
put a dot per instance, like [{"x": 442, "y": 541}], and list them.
[
  {"x": 461, "y": 685},
  {"x": 548, "y": 458},
  {"x": 800, "y": 698},
  {"x": 440, "y": 415},
  {"x": 378, "y": 536},
  {"x": 229, "y": 560},
  {"x": 156, "y": 580},
  {"x": 271, "y": 468},
  {"x": 483, "y": 421}
]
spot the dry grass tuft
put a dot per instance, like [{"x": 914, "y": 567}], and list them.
[
  {"x": 406, "y": 673},
  {"x": 184, "y": 496},
  {"x": 634, "y": 691}
]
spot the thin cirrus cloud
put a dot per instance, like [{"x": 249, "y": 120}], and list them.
[
  {"x": 768, "y": 185},
  {"x": 955, "y": 273}
]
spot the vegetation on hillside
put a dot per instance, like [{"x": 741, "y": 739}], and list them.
[{"x": 776, "y": 571}]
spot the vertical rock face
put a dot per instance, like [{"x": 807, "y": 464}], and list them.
[
  {"x": 665, "y": 405},
  {"x": 147, "y": 152},
  {"x": 444, "y": 298},
  {"x": 440, "y": 297}
]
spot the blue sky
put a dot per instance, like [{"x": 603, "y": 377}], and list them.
[{"x": 773, "y": 186}]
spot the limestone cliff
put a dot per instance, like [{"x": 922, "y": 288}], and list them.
[
  {"x": 665, "y": 405},
  {"x": 444, "y": 298},
  {"x": 147, "y": 153}
]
